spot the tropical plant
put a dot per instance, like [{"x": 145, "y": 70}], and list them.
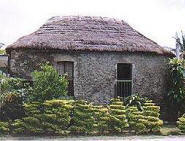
[
  {"x": 48, "y": 84},
  {"x": 135, "y": 100},
  {"x": 176, "y": 94}
]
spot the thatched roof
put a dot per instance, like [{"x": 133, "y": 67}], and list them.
[{"x": 88, "y": 34}]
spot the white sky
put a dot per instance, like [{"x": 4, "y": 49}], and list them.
[{"x": 159, "y": 20}]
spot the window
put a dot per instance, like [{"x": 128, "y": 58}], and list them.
[
  {"x": 67, "y": 67},
  {"x": 124, "y": 80}
]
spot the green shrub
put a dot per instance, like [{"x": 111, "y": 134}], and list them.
[
  {"x": 136, "y": 119},
  {"x": 11, "y": 107},
  {"x": 10, "y": 84},
  {"x": 151, "y": 114},
  {"x": 2, "y": 51},
  {"x": 61, "y": 117},
  {"x": 49, "y": 118},
  {"x": 181, "y": 123},
  {"x": 176, "y": 95},
  {"x": 118, "y": 121},
  {"x": 4, "y": 128},
  {"x": 14, "y": 85},
  {"x": 82, "y": 120},
  {"x": 102, "y": 118},
  {"x": 48, "y": 84},
  {"x": 57, "y": 112}
]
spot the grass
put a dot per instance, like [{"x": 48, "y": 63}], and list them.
[{"x": 170, "y": 130}]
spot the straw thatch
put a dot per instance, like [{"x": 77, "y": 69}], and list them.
[{"x": 88, "y": 34}]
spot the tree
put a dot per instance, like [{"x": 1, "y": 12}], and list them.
[
  {"x": 176, "y": 95},
  {"x": 181, "y": 41},
  {"x": 48, "y": 84}
]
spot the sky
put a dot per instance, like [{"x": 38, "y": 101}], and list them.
[{"x": 159, "y": 20}]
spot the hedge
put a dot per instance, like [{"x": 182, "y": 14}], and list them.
[
  {"x": 4, "y": 128},
  {"x": 64, "y": 117},
  {"x": 48, "y": 118},
  {"x": 136, "y": 120},
  {"x": 181, "y": 123},
  {"x": 82, "y": 121},
  {"x": 118, "y": 121},
  {"x": 151, "y": 114},
  {"x": 102, "y": 118}
]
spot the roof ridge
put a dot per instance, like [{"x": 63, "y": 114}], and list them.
[{"x": 103, "y": 18}]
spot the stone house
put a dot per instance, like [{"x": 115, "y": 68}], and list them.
[{"x": 103, "y": 58}]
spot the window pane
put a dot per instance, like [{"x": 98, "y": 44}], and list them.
[
  {"x": 69, "y": 69},
  {"x": 60, "y": 68},
  {"x": 124, "y": 71}
]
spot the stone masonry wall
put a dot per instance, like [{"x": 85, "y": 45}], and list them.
[{"x": 95, "y": 72}]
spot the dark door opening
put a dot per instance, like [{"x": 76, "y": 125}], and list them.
[
  {"x": 67, "y": 67},
  {"x": 124, "y": 80}
]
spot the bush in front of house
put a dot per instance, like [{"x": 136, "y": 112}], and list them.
[
  {"x": 48, "y": 84},
  {"x": 102, "y": 118},
  {"x": 64, "y": 117},
  {"x": 118, "y": 121},
  {"x": 4, "y": 128},
  {"x": 49, "y": 118},
  {"x": 181, "y": 123},
  {"x": 11, "y": 107},
  {"x": 82, "y": 121},
  {"x": 176, "y": 94},
  {"x": 13, "y": 85},
  {"x": 136, "y": 120},
  {"x": 145, "y": 121},
  {"x": 151, "y": 114}
]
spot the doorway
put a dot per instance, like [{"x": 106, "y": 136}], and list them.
[{"x": 124, "y": 80}]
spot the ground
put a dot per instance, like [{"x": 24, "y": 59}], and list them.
[{"x": 102, "y": 138}]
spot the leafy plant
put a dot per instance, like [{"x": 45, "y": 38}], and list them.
[
  {"x": 2, "y": 51},
  {"x": 136, "y": 119},
  {"x": 11, "y": 107},
  {"x": 135, "y": 100},
  {"x": 181, "y": 123},
  {"x": 118, "y": 121},
  {"x": 48, "y": 84},
  {"x": 82, "y": 121},
  {"x": 176, "y": 94},
  {"x": 14, "y": 85},
  {"x": 49, "y": 118},
  {"x": 102, "y": 118},
  {"x": 151, "y": 114},
  {"x": 4, "y": 128}
]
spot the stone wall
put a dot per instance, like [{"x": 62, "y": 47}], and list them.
[
  {"x": 95, "y": 72},
  {"x": 24, "y": 62}
]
